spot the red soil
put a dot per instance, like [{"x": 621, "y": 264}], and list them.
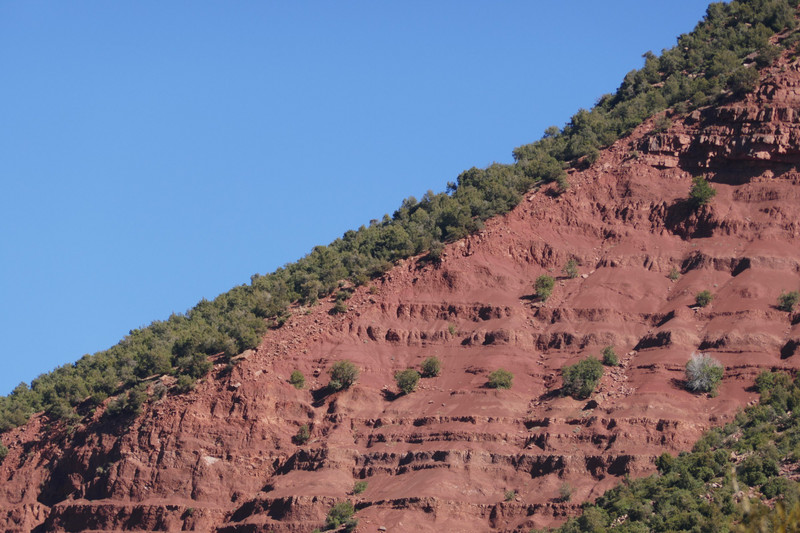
[{"x": 442, "y": 458}]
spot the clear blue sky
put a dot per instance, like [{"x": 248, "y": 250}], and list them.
[{"x": 155, "y": 153}]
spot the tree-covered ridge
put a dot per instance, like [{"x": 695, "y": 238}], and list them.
[
  {"x": 709, "y": 63},
  {"x": 700, "y": 491}
]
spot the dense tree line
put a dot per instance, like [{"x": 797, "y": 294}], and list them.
[{"x": 709, "y": 63}]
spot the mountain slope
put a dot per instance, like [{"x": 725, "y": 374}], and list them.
[
  {"x": 444, "y": 456},
  {"x": 455, "y": 454},
  {"x": 716, "y": 59}
]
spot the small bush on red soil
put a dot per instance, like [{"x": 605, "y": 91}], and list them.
[
  {"x": 297, "y": 379},
  {"x": 581, "y": 378},
  {"x": 787, "y": 301},
  {"x": 302, "y": 435},
  {"x": 703, "y": 373},
  {"x": 343, "y": 375},
  {"x": 703, "y": 298},
  {"x": 500, "y": 379},
  {"x": 431, "y": 367},
  {"x": 407, "y": 380}
]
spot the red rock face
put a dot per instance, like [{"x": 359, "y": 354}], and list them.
[{"x": 442, "y": 458}]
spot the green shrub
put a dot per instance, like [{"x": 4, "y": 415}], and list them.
[
  {"x": 703, "y": 373},
  {"x": 128, "y": 404},
  {"x": 580, "y": 379},
  {"x": 340, "y": 307},
  {"x": 674, "y": 274},
  {"x": 767, "y": 54},
  {"x": 571, "y": 269},
  {"x": 565, "y": 492},
  {"x": 510, "y": 495},
  {"x": 407, "y": 380},
  {"x": 767, "y": 381},
  {"x": 297, "y": 379},
  {"x": 662, "y": 124},
  {"x": 3, "y": 452},
  {"x": 593, "y": 519},
  {"x": 340, "y": 514},
  {"x": 610, "y": 356},
  {"x": 562, "y": 184},
  {"x": 184, "y": 384},
  {"x": 701, "y": 192},
  {"x": 359, "y": 487},
  {"x": 61, "y": 410},
  {"x": 159, "y": 391},
  {"x": 743, "y": 80},
  {"x": 703, "y": 298},
  {"x": 500, "y": 379},
  {"x": 195, "y": 365},
  {"x": 787, "y": 300},
  {"x": 544, "y": 287},
  {"x": 751, "y": 471},
  {"x": 776, "y": 486},
  {"x": 665, "y": 462},
  {"x": 436, "y": 251},
  {"x": 344, "y": 294},
  {"x": 343, "y": 375},
  {"x": 302, "y": 435},
  {"x": 431, "y": 367}
]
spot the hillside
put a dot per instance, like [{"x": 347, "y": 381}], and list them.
[
  {"x": 224, "y": 457},
  {"x": 718, "y": 59}
]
